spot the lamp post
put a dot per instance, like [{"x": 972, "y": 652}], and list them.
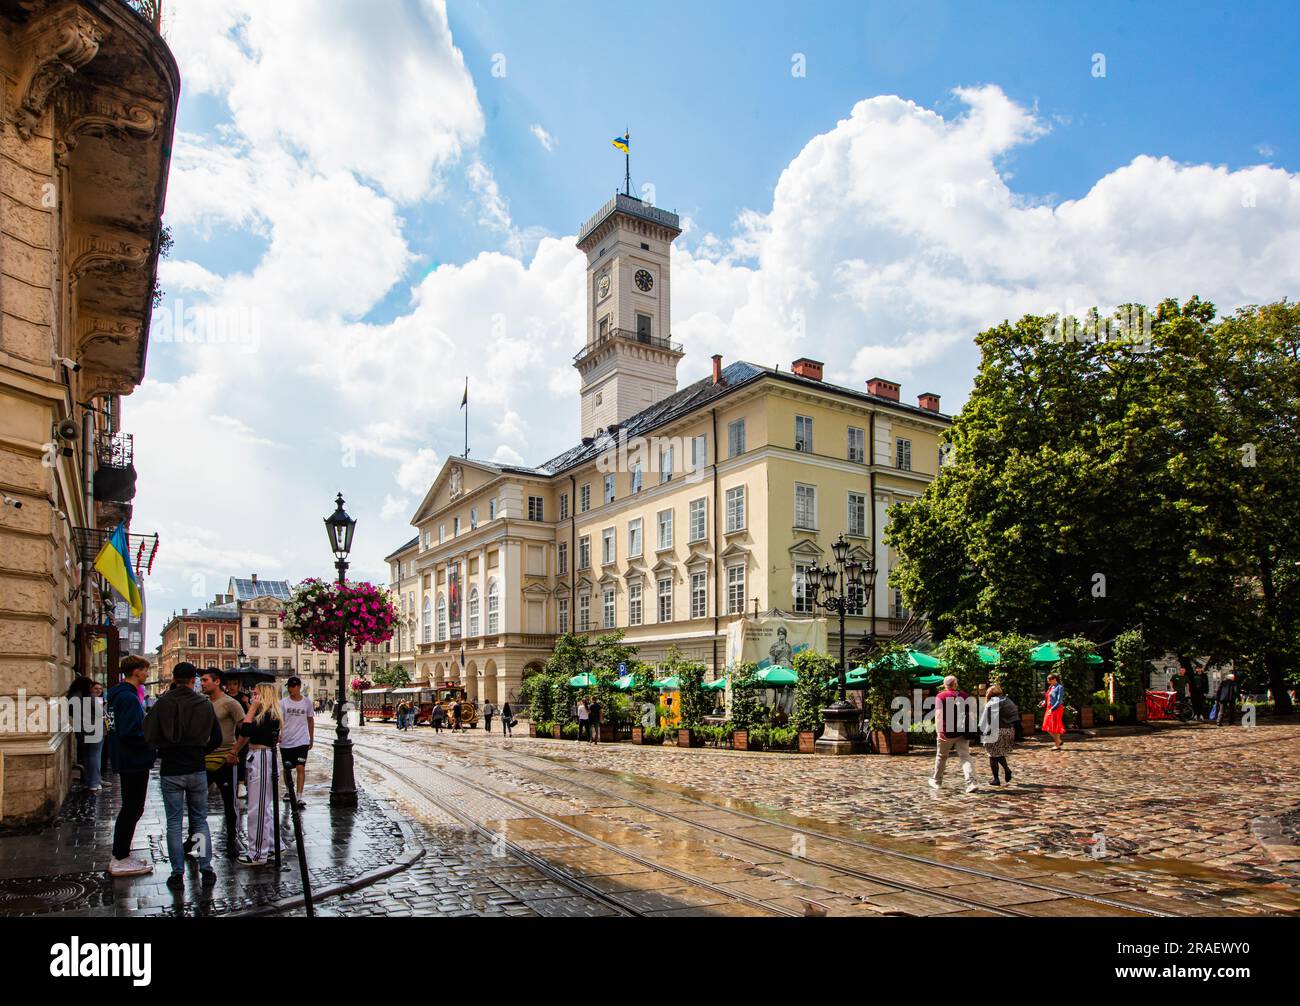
[
  {"x": 837, "y": 588},
  {"x": 343, "y": 788}
]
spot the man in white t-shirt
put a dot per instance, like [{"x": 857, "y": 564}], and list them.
[{"x": 298, "y": 734}]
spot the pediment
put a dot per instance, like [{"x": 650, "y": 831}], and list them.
[
  {"x": 664, "y": 565},
  {"x": 698, "y": 559},
  {"x": 457, "y": 478},
  {"x": 735, "y": 551},
  {"x": 806, "y": 548},
  {"x": 536, "y": 589}
]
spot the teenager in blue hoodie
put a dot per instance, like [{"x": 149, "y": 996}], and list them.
[{"x": 131, "y": 758}]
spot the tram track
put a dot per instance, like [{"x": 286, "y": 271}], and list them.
[
  {"x": 551, "y": 775},
  {"x": 574, "y": 883},
  {"x": 892, "y": 885}
]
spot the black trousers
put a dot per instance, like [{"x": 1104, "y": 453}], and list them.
[
  {"x": 224, "y": 778},
  {"x": 135, "y": 787},
  {"x": 488, "y": 720}
]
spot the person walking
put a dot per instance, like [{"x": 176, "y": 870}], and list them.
[
  {"x": 953, "y": 723},
  {"x": 455, "y": 716},
  {"x": 222, "y": 765},
  {"x": 998, "y": 730},
  {"x": 233, "y": 683},
  {"x": 489, "y": 710},
  {"x": 261, "y": 726},
  {"x": 593, "y": 720},
  {"x": 184, "y": 729},
  {"x": 507, "y": 719},
  {"x": 92, "y": 710},
  {"x": 299, "y": 734},
  {"x": 437, "y": 717},
  {"x": 1053, "y": 706},
  {"x": 1200, "y": 687},
  {"x": 583, "y": 719},
  {"x": 1225, "y": 699},
  {"x": 131, "y": 758}
]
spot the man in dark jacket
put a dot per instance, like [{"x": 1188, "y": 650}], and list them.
[
  {"x": 184, "y": 729},
  {"x": 131, "y": 758}
]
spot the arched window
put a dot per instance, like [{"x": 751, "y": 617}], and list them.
[
  {"x": 493, "y": 608},
  {"x": 473, "y": 611},
  {"x": 427, "y": 622},
  {"x": 442, "y": 618}
]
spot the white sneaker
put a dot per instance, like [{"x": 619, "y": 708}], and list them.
[
  {"x": 129, "y": 867},
  {"x": 971, "y": 787},
  {"x": 242, "y": 793},
  {"x": 933, "y": 784}
]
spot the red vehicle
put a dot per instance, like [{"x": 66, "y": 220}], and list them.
[{"x": 378, "y": 704}]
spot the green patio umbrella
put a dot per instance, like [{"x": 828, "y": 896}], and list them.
[
  {"x": 777, "y": 677},
  {"x": 1050, "y": 653},
  {"x": 715, "y": 686},
  {"x": 928, "y": 680},
  {"x": 583, "y": 680},
  {"x": 668, "y": 683},
  {"x": 912, "y": 658},
  {"x": 988, "y": 655},
  {"x": 626, "y": 683}
]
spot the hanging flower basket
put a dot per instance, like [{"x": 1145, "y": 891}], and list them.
[{"x": 317, "y": 613}]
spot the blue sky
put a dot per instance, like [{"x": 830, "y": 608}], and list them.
[{"x": 381, "y": 204}]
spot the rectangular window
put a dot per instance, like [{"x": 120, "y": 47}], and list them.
[
  {"x": 609, "y": 488},
  {"x": 564, "y": 557},
  {"x": 634, "y": 603},
  {"x": 665, "y": 465},
  {"x": 564, "y": 615},
  {"x": 608, "y": 553},
  {"x": 736, "y": 590},
  {"x": 858, "y": 514},
  {"x": 584, "y": 612},
  {"x": 699, "y": 595},
  {"x": 584, "y": 552},
  {"x": 735, "y": 509},
  {"x": 607, "y": 608},
  {"x": 643, "y": 327},
  {"x": 857, "y": 600},
  {"x": 273, "y": 664},
  {"x": 535, "y": 509},
  {"x": 899, "y": 610},
  {"x": 665, "y": 529},
  {"x": 442, "y": 533},
  {"x": 802, "y": 596},
  {"x": 735, "y": 438},
  {"x": 473, "y": 518},
  {"x": 455, "y": 526},
  {"x": 564, "y": 506},
  {"x": 699, "y": 453},
  {"x": 253, "y": 640},
  {"x": 697, "y": 513},
  {"x": 666, "y": 599},
  {"x": 492, "y": 509},
  {"x": 212, "y": 639},
  {"x": 805, "y": 506},
  {"x": 903, "y": 454},
  {"x": 636, "y": 477},
  {"x": 857, "y": 444},
  {"x": 254, "y": 622},
  {"x": 230, "y": 641},
  {"x": 634, "y": 538},
  {"x": 273, "y": 640},
  {"x": 803, "y": 433},
  {"x": 584, "y": 499}
]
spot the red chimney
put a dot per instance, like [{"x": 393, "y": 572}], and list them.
[
  {"x": 928, "y": 401},
  {"x": 717, "y": 368},
  {"x": 881, "y": 388},
  {"x": 804, "y": 367}
]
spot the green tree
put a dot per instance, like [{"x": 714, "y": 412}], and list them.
[
  {"x": 1131, "y": 665},
  {"x": 392, "y": 677},
  {"x": 891, "y": 678},
  {"x": 1014, "y": 671},
  {"x": 961, "y": 659},
  {"x": 1077, "y": 674},
  {"x": 812, "y": 692},
  {"x": 747, "y": 709}
]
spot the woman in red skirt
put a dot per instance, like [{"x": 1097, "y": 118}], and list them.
[{"x": 1054, "y": 704}]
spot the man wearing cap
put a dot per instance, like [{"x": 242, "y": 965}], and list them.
[
  {"x": 298, "y": 735},
  {"x": 223, "y": 763}
]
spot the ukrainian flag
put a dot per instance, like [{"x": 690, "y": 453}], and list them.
[
  {"x": 114, "y": 564},
  {"x": 622, "y": 141}
]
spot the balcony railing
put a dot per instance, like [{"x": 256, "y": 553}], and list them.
[
  {"x": 115, "y": 450},
  {"x": 627, "y": 335},
  {"x": 150, "y": 10}
]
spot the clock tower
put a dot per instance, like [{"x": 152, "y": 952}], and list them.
[{"x": 629, "y": 361}]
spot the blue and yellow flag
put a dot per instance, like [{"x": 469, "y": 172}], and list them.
[
  {"x": 622, "y": 142},
  {"x": 114, "y": 564}
]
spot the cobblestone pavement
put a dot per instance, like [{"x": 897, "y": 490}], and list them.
[{"x": 1168, "y": 812}]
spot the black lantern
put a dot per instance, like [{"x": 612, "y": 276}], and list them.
[
  {"x": 841, "y": 550},
  {"x": 339, "y": 526},
  {"x": 814, "y": 575}
]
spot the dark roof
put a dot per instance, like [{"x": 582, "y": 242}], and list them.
[
  {"x": 216, "y": 612},
  {"x": 695, "y": 396},
  {"x": 246, "y": 590},
  {"x": 410, "y": 544}
]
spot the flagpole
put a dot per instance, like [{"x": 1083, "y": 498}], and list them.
[
  {"x": 627, "y": 163},
  {"x": 467, "y": 416}
]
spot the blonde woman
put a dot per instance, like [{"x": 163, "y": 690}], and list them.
[{"x": 261, "y": 726}]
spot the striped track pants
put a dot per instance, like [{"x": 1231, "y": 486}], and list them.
[{"x": 261, "y": 819}]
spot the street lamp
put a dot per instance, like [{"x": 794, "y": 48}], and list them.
[
  {"x": 343, "y": 788},
  {"x": 837, "y": 587}
]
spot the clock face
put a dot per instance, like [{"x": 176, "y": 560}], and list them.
[
  {"x": 602, "y": 287},
  {"x": 644, "y": 281}
]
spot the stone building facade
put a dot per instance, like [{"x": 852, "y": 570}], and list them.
[{"x": 88, "y": 94}]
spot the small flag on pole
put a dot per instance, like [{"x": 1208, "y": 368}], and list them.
[
  {"x": 464, "y": 399},
  {"x": 622, "y": 142},
  {"x": 114, "y": 564}
]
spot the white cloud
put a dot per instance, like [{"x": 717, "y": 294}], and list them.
[{"x": 543, "y": 137}]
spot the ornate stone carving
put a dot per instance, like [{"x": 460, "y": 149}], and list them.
[
  {"x": 457, "y": 481},
  {"x": 53, "y": 48},
  {"x": 99, "y": 251},
  {"x": 96, "y": 382},
  {"x": 92, "y": 331},
  {"x": 103, "y": 111}
]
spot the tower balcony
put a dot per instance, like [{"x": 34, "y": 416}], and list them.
[{"x": 627, "y": 335}]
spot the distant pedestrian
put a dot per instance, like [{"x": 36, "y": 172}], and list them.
[
  {"x": 455, "y": 716},
  {"x": 1225, "y": 699},
  {"x": 131, "y": 758},
  {"x": 507, "y": 719},
  {"x": 489, "y": 710},
  {"x": 1200, "y": 689},
  {"x": 298, "y": 735},
  {"x": 954, "y": 722},
  {"x": 593, "y": 720},
  {"x": 184, "y": 729},
  {"x": 234, "y": 685},
  {"x": 222, "y": 765},
  {"x": 93, "y": 734},
  {"x": 1053, "y": 706},
  {"x": 998, "y": 730},
  {"x": 583, "y": 720},
  {"x": 437, "y": 717},
  {"x": 262, "y": 725}
]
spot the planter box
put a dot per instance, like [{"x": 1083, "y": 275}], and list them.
[
  {"x": 1085, "y": 718},
  {"x": 1140, "y": 709},
  {"x": 638, "y": 735},
  {"x": 892, "y": 742},
  {"x": 740, "y": 740},
  {"x": 1028, "y": 724},
  {"x": 557, "y": 732},
  {"x": 687, "y": 739},
  {"x": 807, "y": 742},
  {"x": 605, "y": 733},
  {"x": 532, "y": 729}
]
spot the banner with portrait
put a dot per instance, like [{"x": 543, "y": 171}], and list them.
[{"x": 773, "y": 640}]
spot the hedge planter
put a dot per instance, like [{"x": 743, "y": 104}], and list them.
[
  {"x": 557, "y": 732},
  {"x": 687, "y": 739},
  {"x": 807, "y": 741},
  {"x": 1085, "y": 718},
  {"x": 1028, "y": 723},
  {"x": 532, "y": 729},
  {"x": 638, "y": 735},
  {"x": 892, "y": 742},
  {"x": 740, "y": 740},
  {"x": 605, "y": 733}
]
